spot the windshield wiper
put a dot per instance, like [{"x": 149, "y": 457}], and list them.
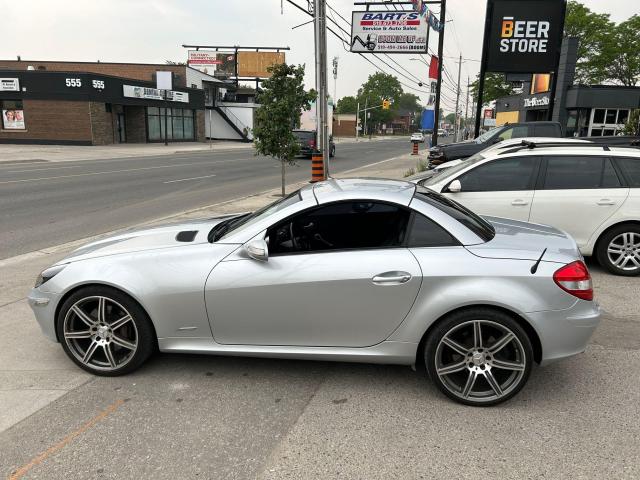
[{"x": 223, "y": 227}]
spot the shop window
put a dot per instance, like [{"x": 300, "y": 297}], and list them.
[
  {"x": 623, "y": 115},
  {"x": 180, "y": 124},
  {"x": 607, "y": 132},
  {"x": 12, "y": 113},
  {"x": 611, "y": 116},
  {"x": 598, "y": 115}
]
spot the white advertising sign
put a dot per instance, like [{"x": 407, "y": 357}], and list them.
[
  {"x": 147, "y": 93},
  {"x": 13, "y": 119},
  {"x": 9, "y": 85},
  {"x": 204, "y": 58},
  {"x": 164, "y": 80},
  {"x": 388, "y": 32}
]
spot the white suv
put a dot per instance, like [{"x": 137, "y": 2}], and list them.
[{"x": 591, "y": 192}]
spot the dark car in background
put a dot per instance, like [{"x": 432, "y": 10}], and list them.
[
  {"x": 308, "y": 142},
  {"x": 453, "y": 151}
]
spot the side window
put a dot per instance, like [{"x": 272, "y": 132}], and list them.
[
  {"x": 631, "y": 168},
  {"x": 341, "y": 226},
  {"x": 501, "y": 175},
  {"x": 427, "y": 233},
  {"x": 573, "y": 172}
]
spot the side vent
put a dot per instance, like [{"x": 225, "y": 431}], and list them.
[{"x": 186, "y": 236}]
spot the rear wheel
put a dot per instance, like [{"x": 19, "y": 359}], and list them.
[
  {"x": 619, "y": 250},
  {"x": 479, "y": 357},
  {"x": 104, "y": 331}
]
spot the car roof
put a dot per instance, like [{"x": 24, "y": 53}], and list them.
[{"x": 395, "y": 191}]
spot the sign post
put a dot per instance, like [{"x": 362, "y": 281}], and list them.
[{"x": 521, "y": 36}]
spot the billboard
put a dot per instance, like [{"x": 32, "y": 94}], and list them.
[
  {"x": 254, "y": 64},
  {"x": 388, "y": 32},
  {"x": 523, "y": 35},
  {"x": 202, "y": 58}
]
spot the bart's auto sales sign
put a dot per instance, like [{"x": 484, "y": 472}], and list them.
[
  {"x": 524, "y": 35},
  {"x": 388, "y": 32}
]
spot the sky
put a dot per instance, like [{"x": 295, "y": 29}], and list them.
[{"x": 153, "y": 31}]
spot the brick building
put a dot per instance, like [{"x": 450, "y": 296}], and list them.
[{"x": 87, "y": 103}]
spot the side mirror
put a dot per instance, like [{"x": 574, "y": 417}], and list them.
[
  {"x": 258, "y": 250},
  {"x": 455, "y": 187}
]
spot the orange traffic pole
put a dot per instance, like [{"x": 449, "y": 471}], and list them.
[
  {"x": 415, "y": 148},
  {"x": 317, "y": 167}
]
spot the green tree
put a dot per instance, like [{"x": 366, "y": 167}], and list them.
[
  {"x": 592, "y": 30},
  {"x": 282, "y": 100},
  {"x": 347, "y": 105},
  {"x": 632, "y": 127},
  {"x": 495, "y": 86},
  {"x": 620, "y": 55},
  {"x": 379, "y": 86},
  {"x": 451, "y": 118},
  {"x": 407, "y": 102}
]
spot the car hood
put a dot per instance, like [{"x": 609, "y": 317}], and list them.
[
  {"x": 526, "y": 241},
  {"x": 162, "y": 236}
]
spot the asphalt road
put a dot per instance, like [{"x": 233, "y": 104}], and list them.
[{"x": 46, "y": 204}]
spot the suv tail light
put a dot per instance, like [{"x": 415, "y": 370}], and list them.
[{"x": 574, "y": 278}]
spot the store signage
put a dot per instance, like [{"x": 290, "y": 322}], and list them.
[
  {"x": 488, "y": 113},
  {"x": 9, "y": 85},
  {"x": 13, "y": 119},
  {"x": 524, "y": 35},
  {"x": 147, "y": 93},
  {"x": 536, "y": 102},
  {"x": 388, "y": 32},
  {"x": 203, "y": 58}
]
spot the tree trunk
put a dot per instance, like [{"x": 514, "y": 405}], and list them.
[{"x": 282, "y": 166}]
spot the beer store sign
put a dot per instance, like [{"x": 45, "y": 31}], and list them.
[{"x": 524, "y": 35}]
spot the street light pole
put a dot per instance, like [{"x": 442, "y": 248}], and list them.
[{"x": 457, "y": 125}]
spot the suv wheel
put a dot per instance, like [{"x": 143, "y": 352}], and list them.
[
  {"x": 619, "y": 250},
  {"x": 479, "y": 357}
]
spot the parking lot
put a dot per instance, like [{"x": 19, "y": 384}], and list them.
[{"x": 190, "y": 416}]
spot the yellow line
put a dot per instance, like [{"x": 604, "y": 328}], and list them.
[{"x": 20, "y": 472}]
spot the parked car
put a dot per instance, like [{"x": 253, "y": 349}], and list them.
[
  {"x": 452, "y": 151},
  {"x": 308, "y": 141},
  {"x": 442, "y": 133},
  {"x": 362, "y": 270},
  {"x": 417, "y": 137},
  {"x": 591, "y": 191}
]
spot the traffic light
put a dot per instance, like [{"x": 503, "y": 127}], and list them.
[{"x": 386, "y": 104}]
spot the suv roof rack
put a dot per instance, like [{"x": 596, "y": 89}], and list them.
[{"x": 529, "y": 145}]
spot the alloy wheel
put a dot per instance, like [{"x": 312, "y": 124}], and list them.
[
  {"x": 480, "y": 361},
  {"x": 623, "y": 251},
  {"x": 100, "y": 333}
]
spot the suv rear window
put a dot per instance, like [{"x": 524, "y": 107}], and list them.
[
  {"x": 631, "y": 169},
  {"x": 473, "y": 222},
  {"x": 301, "y": 135}
]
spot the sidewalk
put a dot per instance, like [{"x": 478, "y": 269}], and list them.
[
  {"x": 34, "y": 371},
  {"x": 65, "y": 153}
]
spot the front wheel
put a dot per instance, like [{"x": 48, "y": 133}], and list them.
[
  {"x": 104, "y": 331},
  {"x": 619, "y": 250},
  {"x": 479, "y": 357}
]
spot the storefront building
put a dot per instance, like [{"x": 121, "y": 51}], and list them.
[
  {"x": 582, "y": 110},
  {"x": 80, "y": 107}
]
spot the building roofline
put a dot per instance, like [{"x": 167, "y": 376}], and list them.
[{"x": 93, "y": 63}]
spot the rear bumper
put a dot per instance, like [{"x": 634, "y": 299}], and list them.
[{"x": 564, "y": 333}]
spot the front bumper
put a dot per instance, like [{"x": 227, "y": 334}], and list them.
[
  {"x": 564, "y": 333},
  {"x": 44, "y": 306}
]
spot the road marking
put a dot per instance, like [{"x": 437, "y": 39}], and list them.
[
  {"x": 20, "y": 472},
  {"x": 100, "y": 173},
  {"x": 192, "y": 178}
]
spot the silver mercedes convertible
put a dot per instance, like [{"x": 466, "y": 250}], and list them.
[{"x": 357, "y": 270}]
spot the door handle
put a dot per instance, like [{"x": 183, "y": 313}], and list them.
[
  {"x": 605, "y": 201},
  {"x": 519, "y": 203},
  {"x": 391, "y": 278}
]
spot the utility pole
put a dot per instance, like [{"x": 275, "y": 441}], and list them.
[
  {"x": 320, "y": 30},
  {"x": 357, "y": 121},
  {"x": 457, "y": 126},
  {"x": 466, "y": 108},
  {"x": 436, "y": 109}
]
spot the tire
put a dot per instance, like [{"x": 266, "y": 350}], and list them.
[
  {"x": 620, "y": 245},
  {"x": 504, "y": 357},
  {"x": 87, "y": 336}
]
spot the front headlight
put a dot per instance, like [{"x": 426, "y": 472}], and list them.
[{"x": 48, "y": 274}]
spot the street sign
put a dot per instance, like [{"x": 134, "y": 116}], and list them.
[{"x": 388, "y": 32}]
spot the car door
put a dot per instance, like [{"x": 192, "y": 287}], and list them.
[
  {"x": 337, "y": 275},
  {"x": 577, "y": 193},
  {"x": 502, "y": 187}
]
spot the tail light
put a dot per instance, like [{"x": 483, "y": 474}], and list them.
[{"x": 574, "y": 278}]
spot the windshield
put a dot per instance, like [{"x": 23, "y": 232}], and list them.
[
  {"x": 447, "y": 172},
  {"x": 232, "y": 225},
  {"x": 489, "y": 135},
  {"x": 473, "y": 222}
]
